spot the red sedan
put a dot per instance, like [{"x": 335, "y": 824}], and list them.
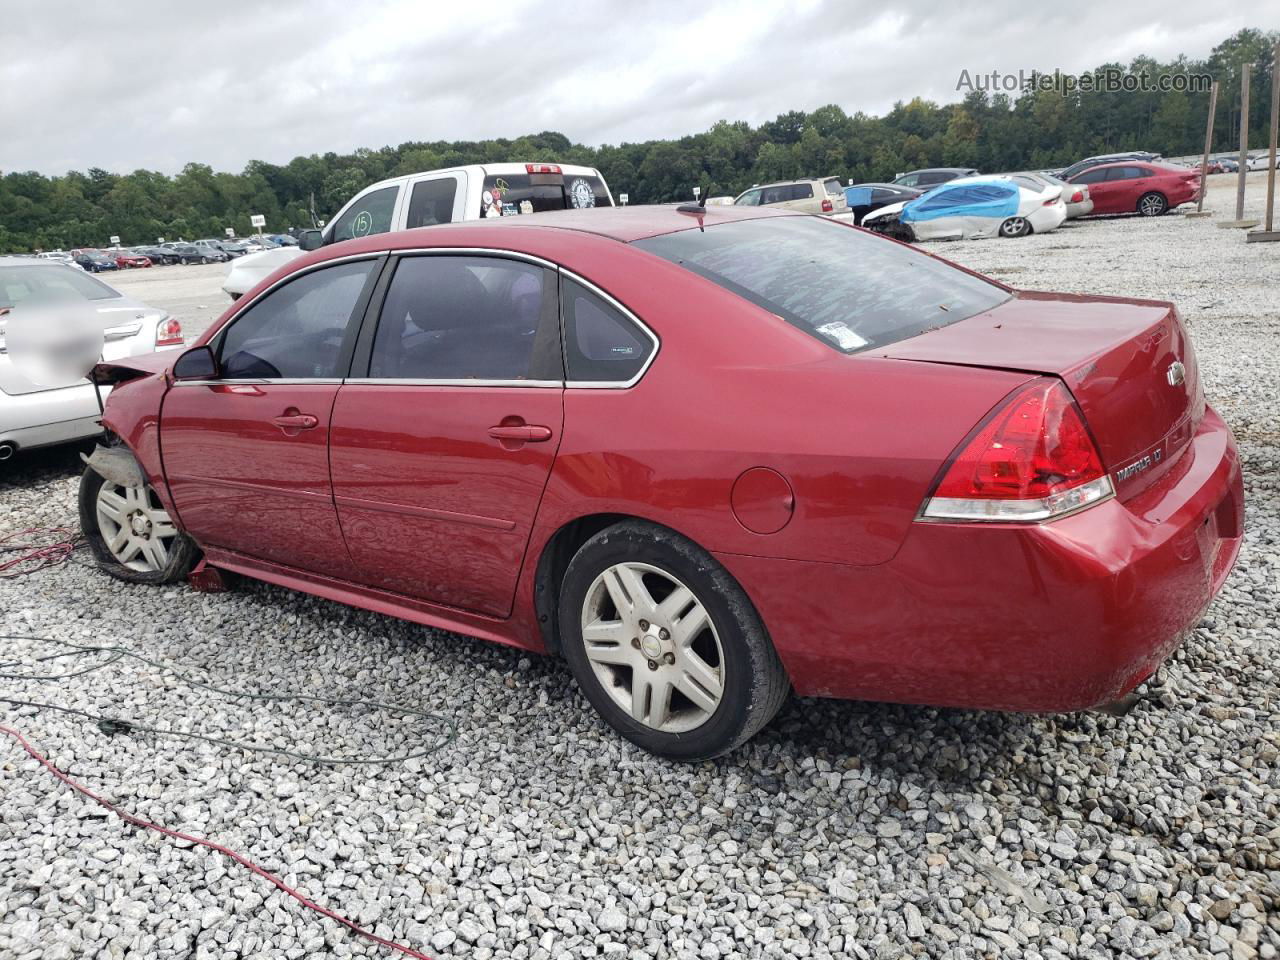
[
  {"x": 1130, "y": 186},
  {"x": 704, "y": 456},
  {"x": 127, "y": 258}
]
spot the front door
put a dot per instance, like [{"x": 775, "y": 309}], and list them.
[
  {"x": 443, "y": 438},
  {"x": 246, "y": 454}
]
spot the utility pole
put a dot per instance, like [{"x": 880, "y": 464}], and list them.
[{"x": 1243, "y": 171}]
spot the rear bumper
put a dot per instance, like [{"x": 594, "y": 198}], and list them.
[
  {"x": 1053, "y": 617},
  {"x": 49, "y": 416}
]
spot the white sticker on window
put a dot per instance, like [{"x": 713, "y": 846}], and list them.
[
  {"x": 844, "y": 337},
  {"x": 581, "y": 195}
]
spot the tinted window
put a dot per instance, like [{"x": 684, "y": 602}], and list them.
[
  {"x": 602, "y": 344},
  {"x": 296, "y": 331},
  {"x": 910, "y": 180},
  {"x": 368, "y": 215},
  {"x": 801, "y": 191},
  {"x": 850, "y": 289},
  {"x": 927, "y": 178},
  {"x": 879, "y": 193},
  {"x": 431, "y": 202},
  {"x": 1091, "y": 176},
  {"x": 516, "y": 193},
  {"x": 467, "y": 318}
]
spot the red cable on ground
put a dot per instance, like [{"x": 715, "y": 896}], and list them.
[
  {"x": 36, "y": 556},
  {"x": 210, "y": 844}
]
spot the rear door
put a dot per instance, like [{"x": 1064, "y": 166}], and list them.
[
  {"x": 444, "y": 436},
  {"x": 435, "y": 198},
  {"x": 246, "y": 455}
]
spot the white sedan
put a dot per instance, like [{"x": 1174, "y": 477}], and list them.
[
  {"x": 33, "y": 414},
  {"x": 1262, "y": 161},
  {"x": 1011, "y": 205}
]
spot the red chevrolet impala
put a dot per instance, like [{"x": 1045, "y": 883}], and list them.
[{"x": 705, "y": 456}]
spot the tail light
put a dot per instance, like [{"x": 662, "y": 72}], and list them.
[
  {"x": 1050, "y": 203},
  {"x": 541, "y": 168},
  {"x": 1033, "y": 459},
  {"x": 826, "y": 206},
  {"x": 1077, "y": 197},
  {"x": 168, "y": 333}
]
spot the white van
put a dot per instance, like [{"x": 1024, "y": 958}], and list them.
[{"x": 437, "y": 196}]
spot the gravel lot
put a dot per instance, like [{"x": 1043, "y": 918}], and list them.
[{"x": 843, "y": 830}]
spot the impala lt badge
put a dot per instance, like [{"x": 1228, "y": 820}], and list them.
[{"x": 1176, "y": 373}]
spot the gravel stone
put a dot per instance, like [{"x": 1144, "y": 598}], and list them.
[{"x": 844, "y": 830}]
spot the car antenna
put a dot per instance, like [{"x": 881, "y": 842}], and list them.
[{"x": 699, "y": 206}]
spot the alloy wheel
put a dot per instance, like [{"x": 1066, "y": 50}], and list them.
[
  {"x": 653, "y": 647},
  {"x": 135, "y": 528},
  {"x": 1014, "y": 227},
  {"x": 1152, "y": 205}
]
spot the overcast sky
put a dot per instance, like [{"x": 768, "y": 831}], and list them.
[{"x": 156, "y": 86}]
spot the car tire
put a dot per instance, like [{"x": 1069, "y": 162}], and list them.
[
  {"x": 711, "y": 677},
  {"x": 127, "y": 552},
  {"x": 1152, "y": 204},
  {"x": 204, "y": 260},
  {"x": 1015, "y": 227}
]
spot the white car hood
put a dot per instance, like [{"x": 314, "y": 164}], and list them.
[
  {"x": 244, "y": 273},
  {"x": 885, "y": 211}
]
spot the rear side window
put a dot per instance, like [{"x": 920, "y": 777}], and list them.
[
  {"x": 516, "y": 193},
  {"x": 1091, "y": 176},
  {"x": 802, "y": 191},
  {"x": 431, "y": 202},
  {"x": 850, "y": 289},
  {"x": 296, "y": 331},
  {"x": 467, "y": 318},
  {"x": 602, "y": 344},
  {"x": 367, "y": 215}
]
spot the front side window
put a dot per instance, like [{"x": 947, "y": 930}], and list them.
[
  {"x": 467, "y": 318},
  {"x": 602, "y": 344},
  {"x": 850, "y": 289},
  {"x": 296, "y": 331},
  {"x": 1091, "y": 176},
  {"x": 749, "y": 199},
  {"x": 367, "y": 215},
  {"x": 431, "y": 202}
]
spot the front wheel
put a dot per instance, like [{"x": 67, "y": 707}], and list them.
[
  {"x": 1152, "y": 204},
  {"x": 666, "y": 645},
  {"x": 1015, "y": 227},
  {"x": 131, "y": 535}
]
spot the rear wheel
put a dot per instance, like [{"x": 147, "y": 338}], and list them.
[
  {"x": 666, "y": 645},
  {"x": 1152, "y": 204},
  {"x": 204, "y": 259},
  {"x": 1015, "y": 227},
  {"x": 131, "y": 535}
]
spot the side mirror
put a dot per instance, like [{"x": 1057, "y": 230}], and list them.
[
  {"x": 311, "y": 240},
  {"x": 198, "y": 363}
]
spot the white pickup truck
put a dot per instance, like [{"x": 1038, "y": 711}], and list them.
[{"x": 437, "y": 196}]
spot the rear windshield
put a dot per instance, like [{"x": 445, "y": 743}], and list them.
[
  {"x": 834, "y": 189},
  {"x": 518, "y": 193},
  {"x": 849, "y": 289},
  {"x": 37, "y": 284}
]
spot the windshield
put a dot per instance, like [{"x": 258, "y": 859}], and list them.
[
  {"x": 847, "y": 288},
  {"x": 40, "y": 284}
]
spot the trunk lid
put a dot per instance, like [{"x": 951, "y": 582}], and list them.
[{"x": 1129, "y": 364}]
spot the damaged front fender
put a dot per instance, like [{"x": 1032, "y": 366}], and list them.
[{"x": 116, "y": 465}]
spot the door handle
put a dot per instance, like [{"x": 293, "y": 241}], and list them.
[
  {"x": 293, "y": 423},
  {"x": 521, "y": 433}
]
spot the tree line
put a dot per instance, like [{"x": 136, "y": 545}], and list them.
[{"x": 1031, "y": 129}]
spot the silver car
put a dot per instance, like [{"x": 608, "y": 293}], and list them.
[
  {"x": 32, "y": 415},
  {"x": 1075, "y": 208}
]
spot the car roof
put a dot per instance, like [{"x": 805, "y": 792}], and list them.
[{"x": 939, "y": 170}]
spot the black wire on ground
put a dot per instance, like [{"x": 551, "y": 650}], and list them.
[{"x": 114, "y": 725}]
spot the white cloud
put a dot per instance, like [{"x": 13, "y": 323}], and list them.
[{"x": 225, "y": 84}]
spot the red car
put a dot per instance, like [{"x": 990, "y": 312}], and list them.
[
  {"x": 1132, "y": 186},
  {"x": 126, "y": 258},
  {"x": 705, "y": 456}
]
